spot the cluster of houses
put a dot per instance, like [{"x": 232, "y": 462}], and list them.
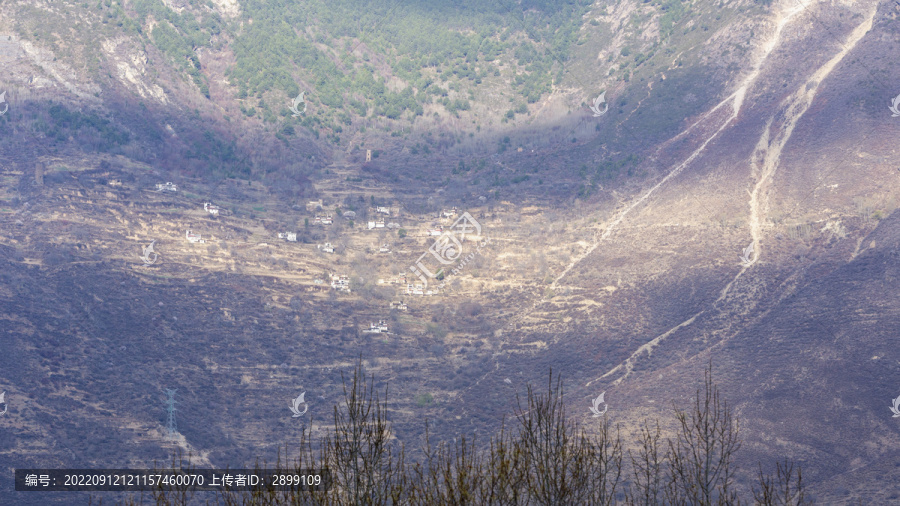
[{"x": 379, "y": 216}]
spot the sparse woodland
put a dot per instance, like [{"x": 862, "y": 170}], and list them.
[{"x": 542, "y": 458}]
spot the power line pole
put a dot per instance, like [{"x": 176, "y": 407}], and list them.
[{"x": 171, "y": 426}]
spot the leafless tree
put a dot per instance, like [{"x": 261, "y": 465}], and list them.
[
  {"x": 784, "y": 489},
  {"x": 700, "y": 460}
]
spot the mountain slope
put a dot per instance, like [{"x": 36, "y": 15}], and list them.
[{"x": 614, "y": 242}]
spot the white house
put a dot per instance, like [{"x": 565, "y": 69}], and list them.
[
  {"x": 377, "y": 328},
  {"x": 193, "y": 238},
  {"x": 167, "y": 186},
  {"x": 324, "y": 219},
  {"x": 211, "y": 209},
  {"x": 327, "y": 247},
  {"x": 436, "y": 231},
  {"x": 418, "y": 289},
  {"x": 399, "y": 305},
  {"x": 288, "y": 236},
  {"x": 384, "y": 249}
]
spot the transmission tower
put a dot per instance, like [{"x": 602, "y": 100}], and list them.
[{"x": 171, "y": 426}]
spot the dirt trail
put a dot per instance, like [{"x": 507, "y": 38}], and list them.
[
  {"x": 765, "y": 158},
  {"x": 737, "y": 100}
]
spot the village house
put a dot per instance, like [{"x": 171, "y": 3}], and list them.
[
  {"x": 383, "y": 210},
  {"x": 167, "y": 186},
  {"x": 377, "y": 328},
  {"x": 324, "y": 219},
  {"x": 211, "y": 209},
  {"x": 288, "y": 236},
  {"x": 400, "y": 305},
  {"x": 418, "y": 289},
  {"x": 193, "y": 238},
  {"x": 449, "y": 213},
  {"x": 327, "y": 247},
  {"x": 340, "y": 283},
  {"x": 314, "y": 205},
  {"x": 436, "y": 231},
  {"x": 384, "y": 249}
]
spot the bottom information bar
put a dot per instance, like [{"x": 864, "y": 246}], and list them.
[{"x": 128, "y": 480}]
